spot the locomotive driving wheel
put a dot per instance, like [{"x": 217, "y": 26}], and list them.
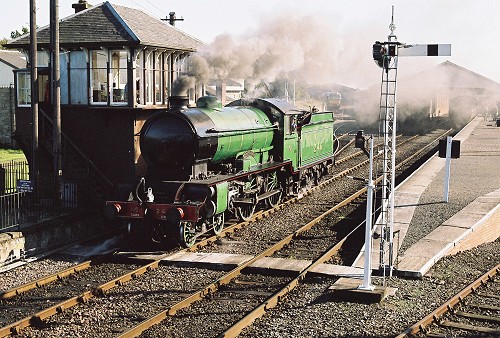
[
  {"x": 218, "y": 223},
  {"x": 245, "y": 210},
  {"x": 272, "y": 184},
  {"x": 187, "y": 234}
]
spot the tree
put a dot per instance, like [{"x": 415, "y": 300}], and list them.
[
  {"x": 2, "y": 42},
  {"x": 13, "y": 35},
  {"x": 16, "y": 33}
]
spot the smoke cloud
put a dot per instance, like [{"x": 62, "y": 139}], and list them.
[
  {"x": 301, "y": 48},
  {"x": 314, "y": 51}
]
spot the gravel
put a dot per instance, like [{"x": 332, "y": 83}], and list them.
[
  {"x": 310, "y": 311},
  {"x": 34, "y": 270}
]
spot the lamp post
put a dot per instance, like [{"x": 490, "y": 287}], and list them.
[{"x": 367, "y": 275}]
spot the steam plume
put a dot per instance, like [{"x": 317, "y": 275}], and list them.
[{"x": 289, "y": 45}]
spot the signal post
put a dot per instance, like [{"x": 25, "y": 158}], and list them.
[{"x": 385, "y": 55}]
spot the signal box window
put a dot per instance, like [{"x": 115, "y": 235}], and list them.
[
  {"x": 23, "y": 89},
  {"x": 119, "y": 76},
  {"x": 99, "y": 76}
]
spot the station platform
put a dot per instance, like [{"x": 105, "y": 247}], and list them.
[{"x": 469, "y": 218}]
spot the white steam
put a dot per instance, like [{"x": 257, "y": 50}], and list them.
[{"x": 301, "y": 48}]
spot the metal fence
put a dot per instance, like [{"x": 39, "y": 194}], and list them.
[
  {"x": 10, "y": 172},
  {"x": 22, "y": 207}
]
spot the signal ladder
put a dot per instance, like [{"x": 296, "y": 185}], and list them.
[{"x": 387, "y": 129}]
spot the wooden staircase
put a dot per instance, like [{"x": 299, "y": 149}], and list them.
[{"x": 80, "y": 176}]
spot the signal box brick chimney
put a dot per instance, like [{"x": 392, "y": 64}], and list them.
[{"x": 81, "y": 5}]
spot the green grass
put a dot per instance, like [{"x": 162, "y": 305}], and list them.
[{"x": 7, "y": 155}]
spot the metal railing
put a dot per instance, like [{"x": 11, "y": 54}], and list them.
[
  {"x": 21, "y": 207},
  {"x": 10, "y": 172}
]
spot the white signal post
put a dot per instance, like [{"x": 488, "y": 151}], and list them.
[
  {"x": 449, "y": 140},
  {"x": 386, "y": 55}
]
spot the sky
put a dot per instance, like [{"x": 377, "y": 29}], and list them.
[{"x": 348, "y": 28}]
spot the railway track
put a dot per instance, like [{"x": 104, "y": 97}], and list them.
[
  {"x": 269, "y": 302},
  {"x": 105, "y": 288},
  {"x": 471, "y": 312},
  {"x": 317, "y": 256}
]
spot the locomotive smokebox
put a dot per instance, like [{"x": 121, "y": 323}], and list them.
[{"x": 178, "y": 101}]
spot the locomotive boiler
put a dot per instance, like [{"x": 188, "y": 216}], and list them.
[{"x": 210, "y": 162}]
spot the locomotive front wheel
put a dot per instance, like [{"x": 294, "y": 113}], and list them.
[
  {"x": 245, "y": 212},
  {"x": 218, "y": 223},
  {"x": 187, "y": 235}
]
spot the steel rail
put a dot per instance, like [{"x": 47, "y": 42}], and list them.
[
  {"x": 46, "y": 280},
  {"x": 340, "y": 150},
  {"x": 60, "y": 274},
  {"x": 421, "y": 325},
  {"x": 16, "y": 327}
]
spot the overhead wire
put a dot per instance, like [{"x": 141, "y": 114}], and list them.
[{"x": 147, "y": 10}]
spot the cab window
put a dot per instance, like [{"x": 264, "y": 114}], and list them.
[{"x": 290, "y": 124}]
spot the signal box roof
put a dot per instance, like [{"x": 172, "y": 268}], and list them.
[{"x": 109, "y": 25}]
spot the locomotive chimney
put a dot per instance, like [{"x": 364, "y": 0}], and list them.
[
  {"x": 178, "y": 101},
  {"x": 81, "y": 5},
  {"x": 220, "y": 92}
]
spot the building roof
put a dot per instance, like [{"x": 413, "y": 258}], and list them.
[
  {"x": 110, "y": 25},
  {"x": 464, "y": 77},
  {"x": 450, "y": 74},
  {"x": 13, "y": 58},
  {"x": 447, "y": 75}
]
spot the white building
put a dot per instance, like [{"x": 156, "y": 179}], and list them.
[{"x": 10, "y": 60}]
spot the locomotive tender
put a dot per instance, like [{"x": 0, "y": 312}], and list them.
[{"x": 211, "y": 161}]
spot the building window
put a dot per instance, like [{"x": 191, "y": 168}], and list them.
[
  {"x": 166, "y": 74},
  {"x": 157, "y": 77},
  {"x": 23, "y": 89},
  {"x": 119, "y": 76},
  {"x": 154, "y": 74},
  {"x": 149, "y": 72},
  {"x": 149, "y": 66},
  {"x": 139, "y": 80},
  {"x": 42, "y": 58},
  {"x": 99, "y": 76},
  {"x": 78, "y": 78},
  {"x": 43, "y": 88}
]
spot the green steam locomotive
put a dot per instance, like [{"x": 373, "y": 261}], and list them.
[{"x": 211, "y": 162}]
